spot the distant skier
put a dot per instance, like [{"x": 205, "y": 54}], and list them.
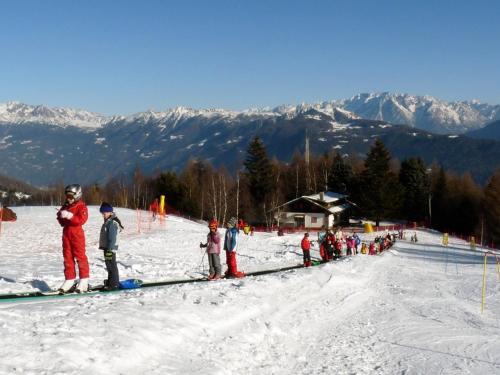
[
  {"x": 231, "y": 245},
  {"x": 153, "y": 207},
  {"x": 357, "y": 241},
  {"x": 338, "y": 249},
  {"x": 71, "y": 216},
  {"x": 349, "y": 245},
  {"x": 363, "y": 248},
  {"x": 414, "y": 237},
  {"x": 330, "y": 245},
  {"x": 241, "y": 224},
  {"x": 108, "y": 241},
  {"x": 213, "y": 251},
  {"x": 306, "y": 250},
  {"x": 371, "y": 249}
]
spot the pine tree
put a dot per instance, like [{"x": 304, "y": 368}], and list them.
[
  {"x": 491, "y": 207},
  {"x": 440, "y": 202},
  {"x": 381, "y": 190},
  {"x": 465, "y": 205},
  {"x": 340, "y": 176},
  {"x": 259, "y": 174},
  {"x": 413, "y": 178}
]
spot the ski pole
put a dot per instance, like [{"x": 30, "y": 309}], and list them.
[{"x": 201, "y": 263}]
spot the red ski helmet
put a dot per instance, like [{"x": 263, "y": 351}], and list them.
[{"x": 213, "y": 224}]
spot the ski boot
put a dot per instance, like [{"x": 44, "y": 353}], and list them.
[
  {"x": 68, "y": 286},
  {"x": 83, "y": 286}
]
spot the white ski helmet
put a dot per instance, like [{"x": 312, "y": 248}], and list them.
[{"x": 75, "y": 190}]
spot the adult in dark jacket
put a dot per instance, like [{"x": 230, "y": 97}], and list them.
[{"x": 71, "y": 216}]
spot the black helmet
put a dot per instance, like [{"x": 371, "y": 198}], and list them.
[{"x": 75, "y": 190}]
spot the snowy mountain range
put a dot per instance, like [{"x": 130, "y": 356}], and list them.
[
  {"x": 422, "y": 112},
  {"x": 43, "y": 145}
]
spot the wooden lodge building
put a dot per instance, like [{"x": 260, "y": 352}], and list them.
[{"x": 314, "y": 211}]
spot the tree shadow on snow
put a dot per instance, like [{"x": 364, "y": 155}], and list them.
[
  {"x": 442, "y": 254},
  {"x": 7, "y": 279},
  {"x": 40, "y": 285}
]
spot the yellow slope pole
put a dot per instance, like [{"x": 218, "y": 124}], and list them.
[{"x": 484, "y": 282}]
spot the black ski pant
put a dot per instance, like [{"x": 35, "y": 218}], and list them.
[
  {"x": 329, "y": 251},
  {"x": 113, "y": 276},
  {"x": 307, "y": 256}
]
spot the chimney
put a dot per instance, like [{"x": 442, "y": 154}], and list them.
[{"x": 322, "y": 196}]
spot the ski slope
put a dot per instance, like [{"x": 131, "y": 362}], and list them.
[{"x": 415, "y": 309}]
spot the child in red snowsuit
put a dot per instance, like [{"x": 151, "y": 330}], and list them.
[
  {"x": 71, "y": 216},
  {"x": 306, "y": 249},
  {"x": 153, "y": 207},
  {"x": 371, "y": 249},
  {"x": 330, "y": 245}
]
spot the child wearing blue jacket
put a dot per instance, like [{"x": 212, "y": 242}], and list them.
[
  {"x": 231, "y": 245},
  {"x": 108, "y": 241}
]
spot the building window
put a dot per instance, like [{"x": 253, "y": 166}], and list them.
[{"x": 314, "y": 220}]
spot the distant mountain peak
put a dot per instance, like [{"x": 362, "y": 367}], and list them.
[{"x": 14, "y": 112}]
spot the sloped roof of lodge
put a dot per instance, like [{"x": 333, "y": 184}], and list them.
[{"x": 328, "y": 198}]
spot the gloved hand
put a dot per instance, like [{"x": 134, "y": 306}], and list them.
[
  {"x": 66, "y": 214},
  {"x": 202, "y": 245}
]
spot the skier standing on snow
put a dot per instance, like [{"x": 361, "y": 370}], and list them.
[
  {"x": 153, "y": 207},
  {"x": 108, "y": 241},
  {"x": 231, "y": 245},
  {"x": 338, "y": 249},
  {"x": 348, "y": 243},
  {"x": 371, "y": 249},
  {"x": 306, "y": 249},
  {"x": 330, "y": 241},
  {"x": 357, "y": 241},
  {"x": 71, "y": 216},
  {"x": 213, "y": 251}
]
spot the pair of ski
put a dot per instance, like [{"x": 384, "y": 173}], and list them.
[
  {"x": 73, "y": 290},
  {"x": 135, "y": 283},
  {"x": 124, "y": 285}
]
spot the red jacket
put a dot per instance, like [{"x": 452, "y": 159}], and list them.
[
  {"x": 305, "y": 244},
  {"x": 79, "y": 211}
]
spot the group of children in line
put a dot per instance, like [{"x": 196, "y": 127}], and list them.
[{"x": 331, "y": 245}]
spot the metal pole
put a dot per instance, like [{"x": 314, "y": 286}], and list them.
[
  {"x": 237, "y": 193},
  {"x": 482, "y": 227},
  {"x": 430, "y": 210}
]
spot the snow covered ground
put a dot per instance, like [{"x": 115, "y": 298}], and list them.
[{"x": 413, "y": 310}]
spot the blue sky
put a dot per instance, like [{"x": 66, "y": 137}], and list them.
[{"x": 121, "y": 57}]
